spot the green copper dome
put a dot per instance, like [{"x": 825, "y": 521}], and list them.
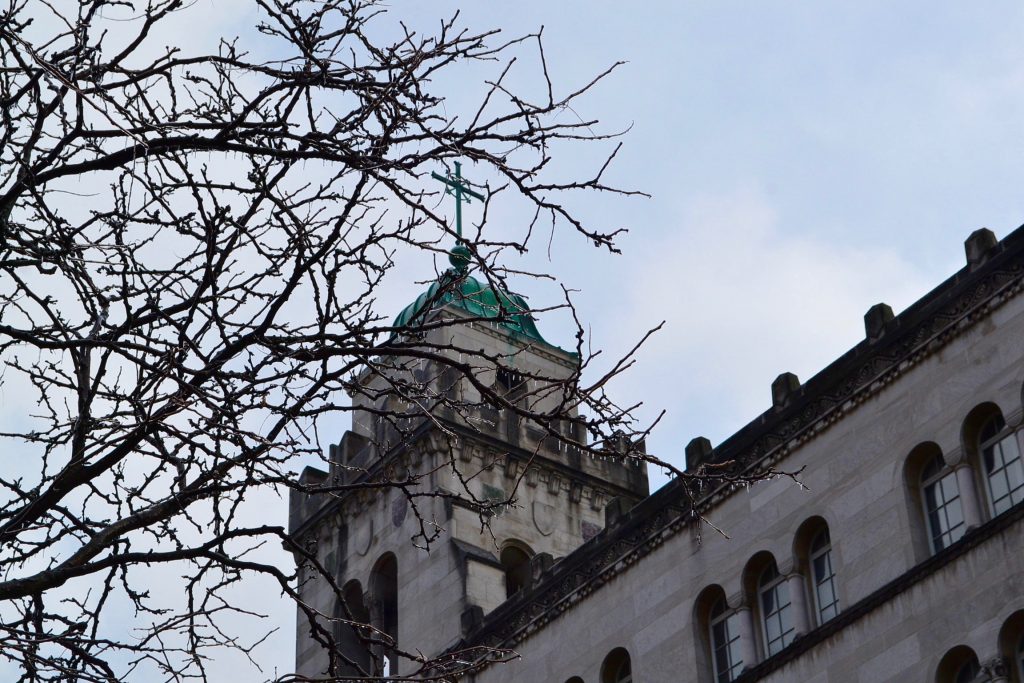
[{"x": 456, "y": 288}]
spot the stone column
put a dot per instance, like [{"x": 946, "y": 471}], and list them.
[
  {"x": 802, "y": 621},
  {"x": 745, "y": 623},
  {"x": 968, "y": 494},
  {"x": 995, "y": 670}
]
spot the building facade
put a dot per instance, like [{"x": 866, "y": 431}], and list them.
[{"x": 895, "y": 552}]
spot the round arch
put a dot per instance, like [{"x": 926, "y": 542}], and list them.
[
  {"x": 959, "y": 665},
  {"x": 1011, "y": 643},
  {"x": 976, "y": 420},
  {"x": 515, "y": 557},
  {"x": 617, "y": 667}
]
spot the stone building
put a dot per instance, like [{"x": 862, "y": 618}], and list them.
[{"x": 900, "y": 558}]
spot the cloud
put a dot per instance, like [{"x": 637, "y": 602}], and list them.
[{"x": 743, "y": 300}]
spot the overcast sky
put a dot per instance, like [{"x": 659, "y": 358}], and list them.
[{"x": 805, "y": 160}]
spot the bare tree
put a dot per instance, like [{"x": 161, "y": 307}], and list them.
[{"x": 191, "y": 246}]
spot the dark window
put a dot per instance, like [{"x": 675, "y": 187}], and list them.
[
  {"x": 1000, "y": 455},
  {"x": 968, "y": 671},
  {"x": 617, "y": 667},
  {"x": 776, "y": 610},
  {"x": 516, "y": 562},
  {"x": 384, "y": 612},
  {"x": 941, "y": 504},
  {"x": 823, "y": 576},
  {"x": 725, "y": 643},
  {"x": 1020, "y": 658}
]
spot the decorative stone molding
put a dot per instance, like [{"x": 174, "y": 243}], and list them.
[
  {"x": 698, "y": 451},
  {"x": 737, "y": 600},
  {"x": 576, "y": 491},
  {"x": 783, "y": 389},
  {"x": 994, "y": 670},
  {"x": 786, "y": 565},
  {"x": 876, "y": 320}
]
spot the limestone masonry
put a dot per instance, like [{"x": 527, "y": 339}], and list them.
[{"x": 902, "y": 558}]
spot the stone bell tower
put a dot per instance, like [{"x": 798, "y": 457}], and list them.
[{"x": 426, "y": 598}]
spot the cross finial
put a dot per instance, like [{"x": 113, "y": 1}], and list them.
[{"x": 462, "y": 192}]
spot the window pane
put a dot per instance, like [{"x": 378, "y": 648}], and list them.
[
  {"x": 722, "y": 665},
  {"x": 776, "y": 616},
  {"x": 735, "y": 656},
  {"x": 944, "y": 514},
  {"x": 1005, "y": 474},
  {"x": 725, "y": 645},
  {"x": 773, "y": 628},
  {"x": 992, "y": 427},
  {"x": 1015, "y": 475},
  {"x": 954, "y": 513},
  {"x": 824, "y": 585},
  {"x": 820, "y": 566}
]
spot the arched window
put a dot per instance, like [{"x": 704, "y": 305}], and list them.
[
  {"x": 515, "y": 559},
  {"x": 350, "y": 640},
  {"x": 823, "y": 578},
  {"x": 384, "y": 612},
  {"x": 959, "y": 665},
  {"x": 1011, "y": 645},
  {"x": 726, "y": 656},
  {"x": 942, "y": 508},
  {"x": 575, "y": 679},
  {"x": 776, "y": 610},
  {"x": 617, "y": 668},
  {"x": 812, "y": 548},
  {"x": 1000, "y": 457}
]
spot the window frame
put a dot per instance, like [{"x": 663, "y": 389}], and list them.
[
  {"x": 776, "y": 585},
  {"x": 934, "y": 480},
  {"x": 1000, "y": 436},
  {"x": 813, "y": 554},
  {"x": 517, "y": 575},
  {"x": 726, "y": 617}
]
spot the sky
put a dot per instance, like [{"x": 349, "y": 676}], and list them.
[{"x": 805, "y": 161}]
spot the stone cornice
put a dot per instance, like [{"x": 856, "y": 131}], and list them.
[{"x": 942, "y": 315}]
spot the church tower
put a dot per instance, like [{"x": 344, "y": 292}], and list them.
[{"x": 417, "y": 561}]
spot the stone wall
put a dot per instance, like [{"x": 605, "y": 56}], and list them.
[{"x": 909, "y": 612}]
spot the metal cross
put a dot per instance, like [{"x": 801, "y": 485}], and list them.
[{"x": 461, "y": 191}]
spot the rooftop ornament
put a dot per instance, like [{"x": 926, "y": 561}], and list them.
[
  {"x": 455, "y": 287},
  {"x": 454, "y": 185}
]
